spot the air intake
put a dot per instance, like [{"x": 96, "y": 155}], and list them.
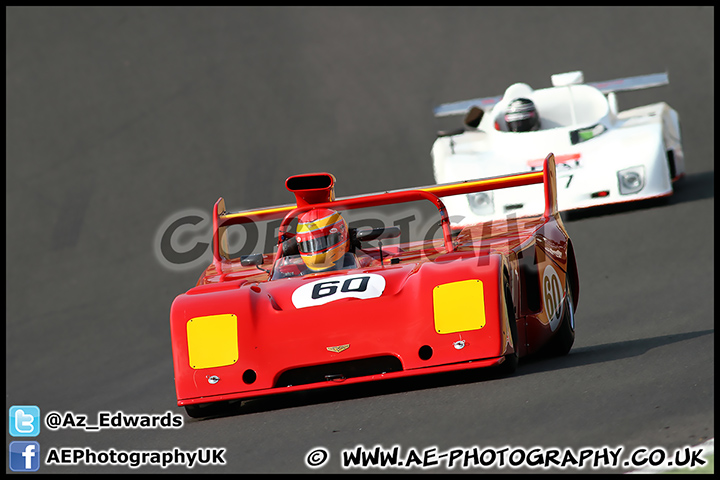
[
  {"x": 339, "y": 371},
  {"x": 312, "y": 188}
]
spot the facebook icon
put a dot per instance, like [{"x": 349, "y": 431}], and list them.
[{"x": 24, "y": 456}]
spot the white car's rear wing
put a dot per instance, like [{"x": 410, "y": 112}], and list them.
[
  {"x": 461, "y": 107},
  {"x": 619, "y": 85},
  {"x": 632, "y": 83}
]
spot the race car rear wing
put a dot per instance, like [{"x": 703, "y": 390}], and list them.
[
  {"x": 632, "y": 83},
  {"x": 618, "y": 85},
  {"x": 322, "y": 196}
]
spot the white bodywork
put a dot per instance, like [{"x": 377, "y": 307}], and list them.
[{"x": 643, "y": 141}]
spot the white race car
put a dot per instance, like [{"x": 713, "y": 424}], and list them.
[{"x": 603, "y": 155}]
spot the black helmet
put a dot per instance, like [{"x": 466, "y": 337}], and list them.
[{"x": 521, "y": 116}]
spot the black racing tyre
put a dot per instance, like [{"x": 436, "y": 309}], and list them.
[
  {"x": 204, "y": 410},
  {"x": 511, "y": 361},
  {"x": 563, "y": 340}
]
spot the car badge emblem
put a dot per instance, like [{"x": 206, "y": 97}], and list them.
[{"x": 339, "y": 348}]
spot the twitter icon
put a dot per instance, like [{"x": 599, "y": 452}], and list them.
[{"x": 24, "y": 421}]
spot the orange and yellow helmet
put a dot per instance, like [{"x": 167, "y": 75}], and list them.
[{"x": 322, "y": 236}]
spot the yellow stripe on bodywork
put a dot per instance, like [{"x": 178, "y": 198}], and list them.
[
  {"x": 212, "y": 341},
  {"x": 459, "y": 306}
]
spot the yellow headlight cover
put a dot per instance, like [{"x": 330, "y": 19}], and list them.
[
  {"x": 212, "y": 341},
  {"x": 459, "y": 306}
]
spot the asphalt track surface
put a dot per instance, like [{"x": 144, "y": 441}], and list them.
[{"x": 119, "y": 118}]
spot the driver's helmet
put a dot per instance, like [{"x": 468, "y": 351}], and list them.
[
  {"x": 521, "y": 116},
  {"x": 322, "y": 237}
]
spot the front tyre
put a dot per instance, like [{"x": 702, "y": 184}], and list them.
[
  {"x": 511, "y": 361},
  {"x": 204, "y": 410}
]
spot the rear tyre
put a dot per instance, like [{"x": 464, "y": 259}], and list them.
[{"x": 563, "y": 340}]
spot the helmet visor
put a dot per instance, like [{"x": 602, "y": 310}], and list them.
[
  {"x": 521, "y": 125},
  {"x": 315, "y": 245}
]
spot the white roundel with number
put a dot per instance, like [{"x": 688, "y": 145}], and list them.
[
  {"x": 552, "y": 293},
  {"x": 320, "y": 292}
]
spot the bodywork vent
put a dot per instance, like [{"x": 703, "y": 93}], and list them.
[{"x": 339, "y": 371}]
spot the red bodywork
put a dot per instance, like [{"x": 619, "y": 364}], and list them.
[{"x": 283, "y": 348}]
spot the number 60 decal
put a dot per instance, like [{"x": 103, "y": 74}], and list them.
[
  {"x": 323, "y": 291},
  {"x": 553, "y": 296}
]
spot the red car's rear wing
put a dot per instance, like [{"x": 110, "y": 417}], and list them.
[{"x": 317, "y": 190}]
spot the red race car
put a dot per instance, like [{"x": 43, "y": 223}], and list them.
[{"x": 371, "y": 287}]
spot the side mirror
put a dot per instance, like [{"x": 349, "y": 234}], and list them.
[
  {"x": 473, "y": 117},
  {"x": 290, "y": 247},
  {"x": 381, "y": 233},
  {"x": 254, "y": 259}
]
